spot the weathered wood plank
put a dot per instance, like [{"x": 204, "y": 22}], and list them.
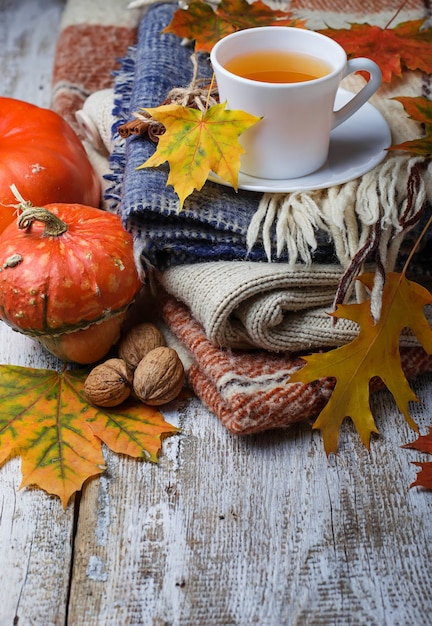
[
  {"x": 36, "y": 535},
  {"x": 262, "y": 530},
  {"x": 35, "y": 545},
  {"x": 28, "y": 32}
]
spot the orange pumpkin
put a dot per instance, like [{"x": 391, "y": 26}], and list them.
[
  {"x": 67, "y": 277},
  {"x": 41, "y": 154}
]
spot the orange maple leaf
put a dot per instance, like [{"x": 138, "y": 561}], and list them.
[
  {"x": 407, "y": 46},
  {"x": 423, "y": 443},
  {"x": 419, "y": 109},
  {"x": 197, "y": 142},
  {"x": 206, "y": 24},
  {"x": 46, "y": 419},
  {"x": 200, "y": 23},
  {"x": 373, "y": 353}
]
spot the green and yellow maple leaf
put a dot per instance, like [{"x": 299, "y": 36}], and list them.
[
  {"x": 374, "y": 352},
  {"x": 196, "y": 143},
  {"x": 46, "y": 419},
  {"x": 420, "y": 109},
  {"x": 206, "y": 24}
]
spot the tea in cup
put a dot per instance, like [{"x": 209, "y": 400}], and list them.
[{"x": 289, "y": 77}]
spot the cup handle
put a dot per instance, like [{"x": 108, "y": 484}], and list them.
[{"x": 355, "y": 65}]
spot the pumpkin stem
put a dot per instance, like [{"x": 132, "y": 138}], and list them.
[{"x": 54, "y": 226}]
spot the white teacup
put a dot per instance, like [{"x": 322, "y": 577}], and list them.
[{"x": 292, "y": 139}]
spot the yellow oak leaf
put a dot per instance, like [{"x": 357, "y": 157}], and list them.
[
  {"x": 46, "y": 419},
  {"x": 196, "y": 143},
  {"x": 373, "y": 353}
]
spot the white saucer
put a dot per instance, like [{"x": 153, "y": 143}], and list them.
[{"x": 356, "y": 147}]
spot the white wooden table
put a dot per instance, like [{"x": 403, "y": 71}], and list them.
[{"x": 259, "y": 531}]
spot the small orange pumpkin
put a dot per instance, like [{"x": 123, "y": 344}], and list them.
[{"x": 67, "y": 278}]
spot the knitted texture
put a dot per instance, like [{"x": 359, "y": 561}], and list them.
[
  {"x": 252, "y": 393},
  {"x": 265, "y": 305},
  {"x": 243, "y": 304}
]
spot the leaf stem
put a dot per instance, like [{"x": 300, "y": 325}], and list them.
[
  {"x": 395, "y": 15},
  {"x": 209, "y": 92},
  {"x": 416, "y": 245}
]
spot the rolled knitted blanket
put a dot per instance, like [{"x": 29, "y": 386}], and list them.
[
  {"x": 251, "y": 393},
  {"x": 265, "y": 305}
]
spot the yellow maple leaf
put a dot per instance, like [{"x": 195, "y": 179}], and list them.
[
  {"x": 196, "y": 143},
  {"x": 374, "y": 352}
]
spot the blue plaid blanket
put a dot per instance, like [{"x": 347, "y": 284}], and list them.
[{"x": 214, "y": 221}]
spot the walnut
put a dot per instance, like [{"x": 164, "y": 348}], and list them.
[
  {"x": 109, "y": 383},
  {"x": 159, "y": 376},
  {"x": 138, "y": 342}
]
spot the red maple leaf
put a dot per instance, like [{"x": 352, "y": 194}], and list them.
[{"x": 407, "y": 46}]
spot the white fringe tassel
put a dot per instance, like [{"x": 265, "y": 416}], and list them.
[{"x": 347, "y": 213}]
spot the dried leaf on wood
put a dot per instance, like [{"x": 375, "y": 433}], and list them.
[
  {"x": 424, "y": 477},
  {"x": 423, "y": 443},
  {"x": 197, "y": 142},
  {"x": 373, "y": 353},
  {"x": 46, "y": 419},
  {"x": 407, "y": 46}
]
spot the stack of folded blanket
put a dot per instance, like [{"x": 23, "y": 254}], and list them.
[{"x": 246, "y": 279}]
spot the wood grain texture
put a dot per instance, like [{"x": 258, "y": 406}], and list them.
[
  {"x": 36, "y": 535},
  {"x": 261, "y": 530}
]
